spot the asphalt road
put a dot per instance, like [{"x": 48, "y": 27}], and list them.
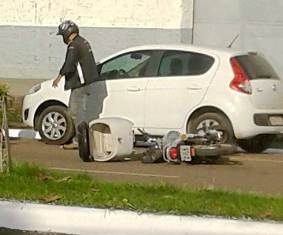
[{"x": 261, "y": 173}]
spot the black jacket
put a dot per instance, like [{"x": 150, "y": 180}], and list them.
[{"x": 79, "y": 67}]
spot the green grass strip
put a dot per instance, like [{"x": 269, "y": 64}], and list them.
[
  {"x": 28, "y": 182},
  {"x": 13, "y": 117}
]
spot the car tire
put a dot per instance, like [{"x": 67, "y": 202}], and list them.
[
  {"x": 55, "y": 125},
  {"x": 256, "y": 144},
  {"x": 212, "y": 121},
  {"x": 83, "y": 140}
]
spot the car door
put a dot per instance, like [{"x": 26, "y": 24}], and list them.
[
  {"x": 125, "y": 79},
  {"x": 181, "y": 83}
]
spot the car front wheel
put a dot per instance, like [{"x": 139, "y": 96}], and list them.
[
  {"x": 55, "y": 125},
  {"x": 203, "y": 122}
]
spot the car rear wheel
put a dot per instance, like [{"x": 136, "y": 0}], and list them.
[
  {"x": 55, "y": 125},
  {"x": 212, "y": 121},
  {"x": 256, "y": 144}
]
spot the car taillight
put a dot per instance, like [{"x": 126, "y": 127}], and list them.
[
  {"x": 240, "y": 82},
  {"x": 173, "y": 153}
]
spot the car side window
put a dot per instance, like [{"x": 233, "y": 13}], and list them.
[
  {"x": 180, "y": 63},
  {"x": 129, "y": 65}
]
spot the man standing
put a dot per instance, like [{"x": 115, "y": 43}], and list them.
[{"x": 80, "y": 72}]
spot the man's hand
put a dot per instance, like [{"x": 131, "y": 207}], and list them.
[{"x": 56, "y": 81}]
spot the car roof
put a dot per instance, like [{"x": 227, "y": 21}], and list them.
[{"x": 186, "y": 47}]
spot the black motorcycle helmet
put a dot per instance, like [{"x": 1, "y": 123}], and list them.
[{"x": 66, "y": 28}]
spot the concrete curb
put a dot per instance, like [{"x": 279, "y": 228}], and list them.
[{"x": 89, "y": 221}]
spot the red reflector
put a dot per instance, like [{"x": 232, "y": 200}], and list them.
[
  {"x": 193, "y": 152},
  {"x": 173, "y": 153}
]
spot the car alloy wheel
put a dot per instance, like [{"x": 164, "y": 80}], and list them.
[
  {"x": 54, "y": 126},
  {"x": 212, "y": 121},
  {"x": 209, "y": 124}
]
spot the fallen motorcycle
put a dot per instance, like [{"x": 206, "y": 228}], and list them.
[
  {"x": 112, "y": 139},
  {"x": 191, "y": 148}
]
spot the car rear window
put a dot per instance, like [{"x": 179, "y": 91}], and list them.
[
  {"x": 257, "y": 67},
  {"x": 180, "y": 63}
]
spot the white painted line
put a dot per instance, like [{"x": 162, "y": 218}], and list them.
[
  {"x": 113, "y": 172},
  {"x": 24, "y": 133},
  {"x": 89, "y": 221}
]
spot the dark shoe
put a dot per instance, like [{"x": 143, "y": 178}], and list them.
[{"x": 70, "y": 146}]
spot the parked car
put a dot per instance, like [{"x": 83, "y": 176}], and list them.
[{"x": 174, "y": 87}]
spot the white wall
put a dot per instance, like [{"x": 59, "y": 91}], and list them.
[
  {"x": 258, "y": 22},
  {"x": 163, "y": 14}
]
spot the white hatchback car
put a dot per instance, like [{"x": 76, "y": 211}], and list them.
[{"x": 174, "y": 87}]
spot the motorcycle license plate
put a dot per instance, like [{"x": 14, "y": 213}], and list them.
[{"x": 185, "y": 152}]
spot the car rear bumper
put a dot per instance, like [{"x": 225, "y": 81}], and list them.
[{"x": 253, "y": 123}]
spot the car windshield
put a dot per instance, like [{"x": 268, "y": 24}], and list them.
[
  {"x": 130, "y": 65},
  {"x": 257, "y": 67}
]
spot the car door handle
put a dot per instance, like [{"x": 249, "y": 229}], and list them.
[{"x": 133, "y": 89}]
